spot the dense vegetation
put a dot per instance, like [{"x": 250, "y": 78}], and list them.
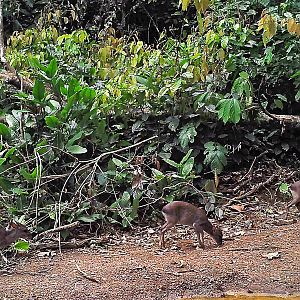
[{"x": 102, "y": 126}]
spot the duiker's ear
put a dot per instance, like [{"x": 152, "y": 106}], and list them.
[{"x": 13, "y": 225}]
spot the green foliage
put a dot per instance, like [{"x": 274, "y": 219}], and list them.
[
  {"x": 21, "y": 246},
  {"x": 284, "y": 188},
  {"x": 215, "y": 156},
  {"x": 94, "y": 95}
]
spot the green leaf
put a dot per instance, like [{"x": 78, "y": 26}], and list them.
[
  {"x": 215, "y": 156},
  {"x": 187, "y": 135},
  {"x": 157, "y": 174},
  {"x": 282, "y": 97},
  {"x": 90, "y": 219},
  {"x": 164, "y": 90},
  {"x": 268, "y": 55},
  {"x": 186, "y": 157},
  {"x": 2, "y": 161},
  {"x": 4, "y": 131},
  {"x": 297, "y": 97},
  {"x": 187, "y": 167},
  {"x": 75, "y": 138},
  {"x": 173, "y": 123},
  {"x": 39, "y": 90},
  {"x": 10, "y": 152},
  {"x": 224, "y": 41},
  {"x": 185, "y": 4},
  {"x": 21, "y": 246},
  {"x": 244, "y": 75},
  {"x": 102, "y": 179},
  {"x": 284, "y": 188},
  {"x": 52, "y": 68},
  {"x": 52, "y": 121},
  {"x": 117, "y": 162},
  {"x": 30, "y": 176},
  {"x": 87, "y": 94},
  {"x": 229, "y": 110},
  {"x": 76, "y": 149},
  {"x": 70, "y": 103},
  {"x": 278, "y": 103},
  {"x": 135, "y": 207},
  {"x": 6, "y": 185},
  {"x": 34, "y": 62},
  {"x": 143, "y": 81},
  {"x": 171, "y": 162}
]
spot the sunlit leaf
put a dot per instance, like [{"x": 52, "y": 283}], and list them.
[{"x": 76, "y": 149}]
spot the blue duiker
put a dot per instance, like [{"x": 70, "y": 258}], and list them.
[
  {"x": 180, "y": 212},
  {"x": 13, "y": 232}
]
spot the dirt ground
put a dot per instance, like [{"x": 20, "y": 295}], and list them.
[{"x": 133, "y": 267}]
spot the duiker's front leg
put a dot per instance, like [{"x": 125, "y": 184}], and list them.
[
  {"x": 200, "y": 234},
  {"x": 163, "y": 229}
]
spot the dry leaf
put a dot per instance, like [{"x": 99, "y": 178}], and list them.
[
  {"x": 272, "y": 255},
  {"x": 237, "y": 207}
]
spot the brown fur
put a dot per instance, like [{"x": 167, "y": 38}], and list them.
[
  {"x": 180, "y": 212},
  {"x": 13, "y": 232},
  {"x": 295, "y": 188}
]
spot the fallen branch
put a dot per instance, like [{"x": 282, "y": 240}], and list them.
[
  {"x": 67, "y": 245},
  {"x": 58, "y": 229},
  {"x": 254, "y": 189},
  {"x": 85, "y": 275}
]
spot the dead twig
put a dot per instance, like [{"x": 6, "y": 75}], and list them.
[{"x": 85, "y": 275}]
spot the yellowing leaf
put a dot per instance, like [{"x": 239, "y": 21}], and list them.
[
  {"x": 206, "y": 22},
  {"x": 221, "y": 54},
  {"x": 200, "y": 22},
  {"x": 261, "y": 23},
  {"x": 197, "y": 73},
  {"x": 272, "y": 28},
  {"x": 269, "y": 25},
  {"x": 204, "y": 69},
  {"x": 54, "y": 34},
  {"x": 292, "y": 26},
  {"x": 298, "y": 29},
  {"x": 185, "y": 4},
  {"x": 201, "y": 5}
]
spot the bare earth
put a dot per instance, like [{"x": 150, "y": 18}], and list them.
[{"x": 128, "y": 267}]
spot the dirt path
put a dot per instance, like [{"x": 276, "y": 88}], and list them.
[{"x": 132, "y": 271}]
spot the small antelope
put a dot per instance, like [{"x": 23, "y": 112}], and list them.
[
  {"x": 13, "y": 232},
  {"x": 179, "y": 212},
  {"x": 295, "y": 189}
]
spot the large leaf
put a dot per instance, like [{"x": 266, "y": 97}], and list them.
[
  {"x": 52, "y": 68},
  {"x": 229, "y": 110},
  {"x": 52, "y": 121},
  {"x": 187, "y": 135},
  {"x": 39, "y": 90},
  {"x": 4, "y": 131},
  {"x": 215, "y": 156}
]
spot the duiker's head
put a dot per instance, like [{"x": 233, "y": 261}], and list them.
[{"x": 218, "y": 235}]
